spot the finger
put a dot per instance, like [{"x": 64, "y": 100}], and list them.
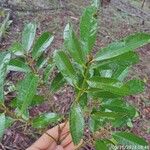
[
  {"x": 66, "y": 140},
  {"x": 71, "y": 146},
  {"x": 44, "y": 142},
  {"x": 32, "y": 148},
  {"x": 59, "y": 147},
  {"x": 52, "y": 146}
]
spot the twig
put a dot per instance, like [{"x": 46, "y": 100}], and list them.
[
  {"x": 33, "y": 10},
  {"x": 2, "y": 146},
  {"x": 51, "y": 137},
  {"x": 143, "y": 4}
]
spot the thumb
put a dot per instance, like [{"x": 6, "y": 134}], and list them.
[{"x": 59, "y": 147}]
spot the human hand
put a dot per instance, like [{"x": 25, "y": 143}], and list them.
[{"x": 57, "y": 138}]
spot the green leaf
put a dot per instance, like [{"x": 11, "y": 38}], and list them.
[
  {"x": 114, "y": 102},
  {"x": 76, "y": 121},
  {"x": 42, "y": 44},
  {"x": 98, "y": 93},
  {"x": 83, "y": 100},
  {"x": 65, "y": 67},
  {"x": 4, "y": 26},
  {"x": 26, "y": 91},
  {"x": 127, "y": 44},
  {"x": 95, "y": 124},
  {"x": 106, "y": 73},
  {"x": 137, "y": 40},
  {"x": 115, "y": 87},
  {"x": 2, "y": 124},
  {"x": 4, "y": 60},
  {"x": 119, "y": 66},
  {"x": 36, "y": 100},
  {"x": 100, "y": 145},
  {"x": 57, "y": 82},
  {"x": 47, "y": 72},
  {"x": 88, "y": 28},
  {"x": 18, "y": 64},
  {"x": 126, "y": 59},
  {"x": 121, "y": 73},
  {"x": 15, "y": 103},
  {"x": 108, "y": 115},
  {"x": 8, "y": 122},
  {"x": 126, "y": 138},
  {"x": 92, "y": 124},
  {"x": 108, "y": 84},
  {"x": 129, "y": 110},
  {"x": 17, "y": 49},
  {"x": 96, "y": 3},
  {"x": 41, "y": 62},
  {"x": 135, "y": 86},
  {"x": 28, "y": 36},
  {"x": 44, "y": 120},
  {"x": 73, "y": 45}
]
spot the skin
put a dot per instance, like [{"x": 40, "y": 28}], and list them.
[{"x": 46, "y": 142}]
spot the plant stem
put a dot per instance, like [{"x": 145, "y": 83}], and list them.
[
  {"x": 12, "y": 114},
  {"x": 85, "y": 74}
]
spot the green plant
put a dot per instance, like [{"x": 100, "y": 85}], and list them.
[
  {"x": 4, "y": 26},
  {"x": 98, "y": 81}
]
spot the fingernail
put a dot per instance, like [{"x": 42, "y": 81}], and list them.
[{"x": 59, "y": 147}]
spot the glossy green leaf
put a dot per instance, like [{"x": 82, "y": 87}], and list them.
[
  {"x": 47, "y": 72},
  {"x": 137, "y": 40},
  {"x": 127, "y": 44},
  {"x": 107, "y": 84},
  {"x": 129, "y": 110},
  {"x": 26, "y": 91},
  {"x": 100, "y": 145},
  {"x": 135, "y": 86},
  {"x": 76, "y": 121},
  {"x": 36, "y": 100},
  {"x": 8, "y": 122},
  {"x": 28, "y": 36},
  {"x": 18, "y": 64},
  {"x": 125, "y": 138},
  {"x": 117, "y": 66},
  {"x": 98, "y": 94},
  {"x": 115, "y": 87},
  {"x": 57, "y": 82},
  {"x": 88, "y": 28},
  {"x": 92, "y": 124},
  {"x": 44, "y": 120},
  {"x": 114, "y": 102},
  {"x": 96, "y": 3},
  {"x": 41, "y": 62},
  {"x": 65, "y": 67},
  {"x": 95, "y": 124},
  {"x": 121, "y": 73},
  {"x": 17, "y": 49},
  {"x": 108, "y": 115},
  {"x": 42, "y": 44},
  {"x": 4, "y": 60},
  {"x": 15, "y": 103},
  {"x": 2, "y": 124},
  {"x": 83, "y": 100},
  {"x": 121, "y": 61},
  {"x": 4, "y": 25},
  {"x": 106, "y": 73},
  {"x": 73, "y": 45}
]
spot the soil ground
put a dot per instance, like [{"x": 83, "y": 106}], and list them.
[{"x": 117, "y": 19}]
